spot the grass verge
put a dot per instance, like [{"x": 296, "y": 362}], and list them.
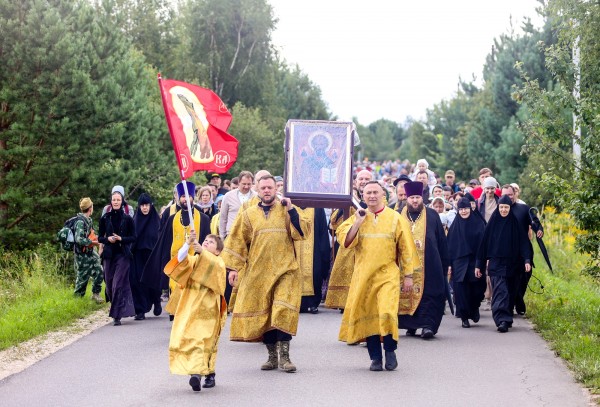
[
  {"x": 566, "y": 312},
  {"x": 36, "y": 294}
]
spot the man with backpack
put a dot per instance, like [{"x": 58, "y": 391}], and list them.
[{"x": 87, "y": 260}]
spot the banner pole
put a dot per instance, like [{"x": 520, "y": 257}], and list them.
[{"x": 187, "y": 201}]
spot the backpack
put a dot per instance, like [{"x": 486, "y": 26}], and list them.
[{"x": 66, "y": 235}]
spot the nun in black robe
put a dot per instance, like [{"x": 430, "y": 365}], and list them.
[
  {"x": 146, "y": 227},
  {"x": 430, "y": 311},
  {"x": 321, "y": 262},
  {"x": 464, "y": 238},
  {"x": 501, "y": 249}
]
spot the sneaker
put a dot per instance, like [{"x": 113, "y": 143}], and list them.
[
  {"x": 116, "y": 321},
  {"x": 140, "y": 317},
  {"x": 487, "y": 305},
  {"x": 391, "y": 363},
  {"x": 209, "y": 381},
  {"x": 195, "y": 382},
  {"x": 376, "y": 365},
  {"x": 96, "y": 297},
  {"x": 165, "y": 296}
]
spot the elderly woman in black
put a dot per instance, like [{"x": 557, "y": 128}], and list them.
[
  {"x": 501, "y": 252},
  {"x": 117, "y": 233},
  {"x": 464, "y": 238}
]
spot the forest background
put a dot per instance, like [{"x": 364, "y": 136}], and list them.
[{"x": 80, "y": 109}]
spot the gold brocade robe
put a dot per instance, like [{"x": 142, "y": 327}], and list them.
[
  {"x": 341, "y": 272},
  {"x": 269, "y": 292},
  {"x": 304, "y": 254},
  {"x": 409, "y": 301},
  {"x": 180, "y": 234},
  {"x": 372, "y": 305},
  {"x": 253, "y": 201},
  {"x": 200, "y": 315}
]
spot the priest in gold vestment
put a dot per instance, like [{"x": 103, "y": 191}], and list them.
[
  {"x": 201, "y": 311},
  {"x": 423, "y": 306},
  {"x": 380, "y": 238},
  {"x": 268, "y": 300}
]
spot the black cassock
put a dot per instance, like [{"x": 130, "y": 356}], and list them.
[
  {"x": 464, "y": 238},
  {"x": 153, "y": 275},
  {"x": 430, "y": 311},
  {"x": 321, "y": 260}
]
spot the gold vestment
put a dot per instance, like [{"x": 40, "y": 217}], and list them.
[{"x": 200, "y": 314}]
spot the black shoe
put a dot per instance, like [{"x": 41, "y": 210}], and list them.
[
  {"x": 139, "y": 317},
  {"x": 171, "y": 317},
  {"x": 465, "y": 323},
  {"x": 476, "y": 316},
  {"x": 157, "y": 308},
  {"x": 195, "y": 382},
  {"x": 391, "y": 362},
  {"x": 411, "y": 332},
  {"x": 503, "y": 327},
  {"x": 209, "y": 381},
  {"x": 521, "y": 312},
  {"x": 426, "y": 333},
  {"x": 313, "y": 310},
  {"x": 116, "y": 321},
  {"x": 376, "y": 366}
]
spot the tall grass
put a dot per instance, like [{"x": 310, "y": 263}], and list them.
[
  {"x": 566, "y": 312},
  {"x": 36, "y": 294}
]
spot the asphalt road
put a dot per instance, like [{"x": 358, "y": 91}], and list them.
[{"x": 128, "y": 366}]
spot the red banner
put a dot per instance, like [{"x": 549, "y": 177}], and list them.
[{"x": 198, "y": 121}]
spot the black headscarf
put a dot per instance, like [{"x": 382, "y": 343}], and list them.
[
  {"x": 146, "y": 226},
  {"x": 501, "y": 237},
  {"x": 465, "y": 235}
]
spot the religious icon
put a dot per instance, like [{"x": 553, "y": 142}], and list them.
[{"x": 319, "y": 161}]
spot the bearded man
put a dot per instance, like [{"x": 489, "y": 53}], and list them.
[
  {"x": 423, "y": 306},
  {"x": 261, "y": 243}
]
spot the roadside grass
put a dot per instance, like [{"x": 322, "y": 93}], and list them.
[
  {"x": 567, "y": 311},
  {"x": 36, "y": 294}
]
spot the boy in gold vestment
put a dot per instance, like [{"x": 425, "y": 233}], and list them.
[{"x": 201, "y": 310}]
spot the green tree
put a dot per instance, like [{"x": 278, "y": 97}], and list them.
[
  {"x": 549, "y": 130},
  {"x": 74, "y": 116}
]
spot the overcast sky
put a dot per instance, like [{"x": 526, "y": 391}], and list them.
[{"x": 392, "y": 58}]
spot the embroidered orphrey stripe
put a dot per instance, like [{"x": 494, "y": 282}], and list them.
[
  {"x": 250, "y": 314},
  {"x": 235, "y": 254},
  {"x": 376, "y": 235},
  {"x": 270, "y": 230},
  {"x": 285, "y": 304}
]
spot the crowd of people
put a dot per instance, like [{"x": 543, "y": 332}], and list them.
[{"x": 415, "y": 243}]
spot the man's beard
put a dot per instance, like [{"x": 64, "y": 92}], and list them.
[
  {"x": 418, "y": 209},
  {"x": 268, "y": 201}
]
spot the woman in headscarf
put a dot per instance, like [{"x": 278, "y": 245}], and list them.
[
  {"x": 117, "y": 233},
  {"x": 499, "y": 252},
  {"x": 464, "y": 238},
  {"x": 206, "y": 202},
  {"x": 147, "y": 224}
]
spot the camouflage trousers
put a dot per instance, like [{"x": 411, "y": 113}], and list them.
[{"x": 88, "y": 266}]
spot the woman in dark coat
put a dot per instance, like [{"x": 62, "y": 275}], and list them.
[
  {"x": 500, "y": 252},
  {"x": 147, "y": 224},
  {"x": 464, "y": 238},
  {"x": 206, "y": 203},
  {"x": 117, "y": 233}
]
